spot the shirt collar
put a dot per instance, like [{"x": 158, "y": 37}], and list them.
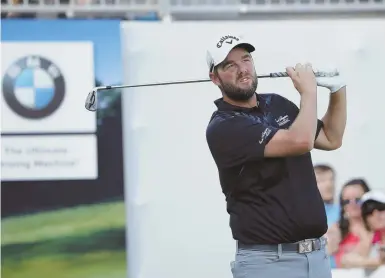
[{"x": 222, "y": 105}]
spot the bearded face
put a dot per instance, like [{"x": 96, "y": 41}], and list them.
[{"x": 236, "y": 76}]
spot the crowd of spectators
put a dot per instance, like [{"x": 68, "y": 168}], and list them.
[
  {"x": 356, "y": 221},
  {"x": 152, "y": 14},
  {"x": 89, "y": 13}
]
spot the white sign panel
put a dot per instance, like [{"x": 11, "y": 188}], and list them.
[
  {"x": 44, "y": 86},
  {"x": 176, "y": 210},
  {"x": 48, "y": 157}
]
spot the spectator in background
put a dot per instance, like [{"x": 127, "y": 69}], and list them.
[
  {"x": 357, "y": 240},
  {"x": 325, "y": 176},
  {"x": 333, "y": 236},
  {"x": 373, "y": 214}
]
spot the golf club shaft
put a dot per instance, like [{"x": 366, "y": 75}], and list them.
[
  {"x": 270, "y": 75},
  {"x": 91, "y": 101},
  {"x": 152, "y": 84}
]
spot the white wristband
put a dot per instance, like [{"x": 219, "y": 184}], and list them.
[{"x": 336, "y": 88}]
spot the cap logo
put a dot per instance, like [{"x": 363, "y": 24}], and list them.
[{"x": 226, "y": 39}]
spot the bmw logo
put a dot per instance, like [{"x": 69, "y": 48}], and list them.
[{"x": 33, "y": 87}]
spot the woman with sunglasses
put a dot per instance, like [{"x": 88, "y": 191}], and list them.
[{"x": 357, "y": 240}]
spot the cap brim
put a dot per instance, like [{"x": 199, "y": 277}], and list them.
[
  {"x": 249, "y": 47},
  {"x": 373, "y": 196}
]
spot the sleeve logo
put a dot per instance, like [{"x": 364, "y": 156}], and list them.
[{"x": 264, "y": 135}]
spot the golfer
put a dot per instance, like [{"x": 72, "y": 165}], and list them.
[{"x": 261, "y": 145}]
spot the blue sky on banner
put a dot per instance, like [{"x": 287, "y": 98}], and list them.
[{"x": 105, "y": 35}]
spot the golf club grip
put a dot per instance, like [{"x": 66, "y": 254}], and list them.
[
  {"x": 317, "y": 74},
  {"x": 278, "y": 74}
]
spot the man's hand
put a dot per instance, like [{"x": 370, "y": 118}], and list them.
[
  {"x": 353, "y": 260},
  {"x": 365, "y": 244},
  {"x": 381, "y": 251},
  {"x": 303, "y": 78},
  {"x": 333, "y": 236},
  {"x": 334, "y": 83}
]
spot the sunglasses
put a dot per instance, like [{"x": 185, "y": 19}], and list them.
[{"x": 356, "y": 201}]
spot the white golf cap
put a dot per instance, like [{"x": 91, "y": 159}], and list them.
[
  {"x": 221, "y": 46},
  {"x": 373, "y": 196}
]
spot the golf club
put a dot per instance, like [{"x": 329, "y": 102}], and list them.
[{"x": 91, "y": 101}]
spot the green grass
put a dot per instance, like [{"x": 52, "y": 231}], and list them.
[{"x": 82, "y": 242}]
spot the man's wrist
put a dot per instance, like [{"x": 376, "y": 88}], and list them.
[{"x": 309, "y": 92}]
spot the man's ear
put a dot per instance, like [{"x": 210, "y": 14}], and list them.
[{"x": 214, "y": 78}]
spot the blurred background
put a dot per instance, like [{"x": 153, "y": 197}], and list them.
[{"x": 74, "y": 196}]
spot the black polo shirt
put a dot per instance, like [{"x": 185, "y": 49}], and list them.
[{"x": 270, "y": 200}]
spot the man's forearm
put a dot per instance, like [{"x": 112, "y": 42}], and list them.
[
  {"x": 335, "y": 117},
  {"x": 352, "y": 260},
  {"x": 305, "y": 125},
  {"x": 364, "y": 246}
]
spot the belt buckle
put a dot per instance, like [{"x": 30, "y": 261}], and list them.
[{"x": 305, "y": 246}]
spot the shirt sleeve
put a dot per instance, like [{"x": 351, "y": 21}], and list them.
[
  {"x": 320, "y": 125},
  {"x": 235, "y": 139}
]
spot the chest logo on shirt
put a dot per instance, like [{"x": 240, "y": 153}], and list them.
[{"x": 282, "y": 120}]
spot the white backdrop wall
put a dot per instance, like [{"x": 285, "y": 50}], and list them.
[{"x": 178, "y": 224}]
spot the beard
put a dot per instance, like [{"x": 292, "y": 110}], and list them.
[{"x": 238, "y": 94}]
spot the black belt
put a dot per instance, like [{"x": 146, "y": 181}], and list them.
[{"x": 303, "y": 246}]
